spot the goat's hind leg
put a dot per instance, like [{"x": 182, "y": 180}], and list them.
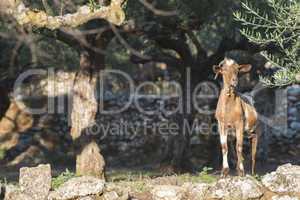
[{"x": 254, "y": 140}]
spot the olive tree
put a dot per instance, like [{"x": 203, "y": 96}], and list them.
[{"x": 275, "y": 24}]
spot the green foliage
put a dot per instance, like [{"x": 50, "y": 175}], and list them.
[
  {"x": 62, "y": 178},
  {"x": 205, "y": 176},
  {"x": 276, "y": 26},
  {"x": 93, "y": 5},
  {"x": 2, "y": 154},
  {"x": 257, "y": 177},
  {"x": 3, "y": 181}
]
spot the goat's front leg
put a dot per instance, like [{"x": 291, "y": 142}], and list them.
[
  {"x": 239, "y": 148},
  {"x": 223, "y": 141}
]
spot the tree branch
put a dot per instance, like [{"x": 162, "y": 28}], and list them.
[{"x": 40, "y": 19}]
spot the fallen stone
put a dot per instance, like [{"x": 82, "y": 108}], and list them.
[
  {"x": 122, "y": 191},
  {"x": 196, "y": 191},
  {"x": 86, "y": 198},
  {"x": 111, "y": 195},
  {"x": 78, "y": 187},
  {"x": 14, "y": 193},
  {"x": 285, "y": 179},
  {"x": 235, "y": 188},
  {"x": 167, "y": 192},
  {"x": 285, "y": 197},
  {"x": 36, "y": 181}
]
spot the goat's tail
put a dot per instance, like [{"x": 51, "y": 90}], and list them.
[{"x": 254, "y": 141}]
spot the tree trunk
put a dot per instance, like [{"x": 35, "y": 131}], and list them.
[{"x": 89, "y": 160}]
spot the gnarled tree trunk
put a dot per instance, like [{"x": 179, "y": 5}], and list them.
[{"x": 89, "y": 160}]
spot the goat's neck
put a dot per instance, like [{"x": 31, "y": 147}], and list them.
[{"x": 228, "y": 91}]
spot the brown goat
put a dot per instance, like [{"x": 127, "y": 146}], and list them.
[{"x": 235, "y": 115}]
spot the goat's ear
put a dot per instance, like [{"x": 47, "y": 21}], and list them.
[
  {"x": 217, "y": 69},
  {"x": 245, "y": 68}
]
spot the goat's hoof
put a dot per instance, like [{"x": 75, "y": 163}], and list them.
[
  {"x": 241, "y": 172},
  {"x": 225, "y": 172}
]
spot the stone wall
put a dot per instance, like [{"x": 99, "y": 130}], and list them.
[
  {"x": 35, "y": 184},
  {"x": 142, "y": 145},
  {"x": 293, "y": 96}
]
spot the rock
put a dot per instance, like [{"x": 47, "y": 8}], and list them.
[
  {"x": 235, "y": 188},
  {"x": 124, "y": 197},
  {"x": 294, "y": 91},
  {"x": 90, "y": 162},
  {"x": 285, "y": 179},
  {"x": 78, "y": 187},
  {"x": 14, "y": 193},
  {"x": 111, "y": 195},
  {"x": 17, "y": 195},
  {"x": 295, "y": 125},
  {"x": 285, "y": 197},
  {"x": 87, "y": 198},
  {"x": 293, "y": 111},
  {"x": 167, "y": 192},
  {"x": 53, "y": 195},
  {"x": 292, "y": 118},
  {"x": 122, "y": 191},
  {"x": 35, "y": 181},
  {"x": 196, "y": 191},
  {"x": 292, "y": 98}
]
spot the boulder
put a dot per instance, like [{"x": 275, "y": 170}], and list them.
[
  {"x": 78, "y": 187},
  {"x": 167, "y": 192},
  {"x": 112, "y": 190},
  {"x": 196, "y": 191},
  {"x": 111, "y": 196},
  {"x": 235, "y": 188},
  {"x": 36, "y": 181},
  {"x": 14, "y": 193},
  {"x": 285, "y": 179},
  {"x": 285, "y": 197},
  {"x": 87, "y": 198}
]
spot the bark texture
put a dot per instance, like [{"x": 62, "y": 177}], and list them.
[
  {"x": 89, "y": 160},
  {"x": 40, "y": 19}
]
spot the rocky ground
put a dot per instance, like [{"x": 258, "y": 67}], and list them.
[{"x": 37, "y": 184}]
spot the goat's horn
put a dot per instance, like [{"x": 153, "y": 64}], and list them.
[{"x": 216, "y": 76}]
